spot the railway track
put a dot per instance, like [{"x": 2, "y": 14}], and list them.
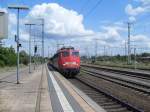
[
  {"x": 134, "y": 73},
  {"x": 139, "y": 84},
  {"x": 107, "y": 101},
  {"x": 132, "y": 90}
]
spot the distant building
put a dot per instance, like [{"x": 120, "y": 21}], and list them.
[
  {"x": 144, "y": 59},
  {"x": 3, "y": 24}
]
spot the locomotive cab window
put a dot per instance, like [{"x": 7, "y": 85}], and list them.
[
  {"x": 65, "y": 54},
  {"x": 75, "y": 53},
  {"x": 56, "y": 55}
]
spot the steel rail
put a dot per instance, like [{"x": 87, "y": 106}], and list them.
[
  {"x": 133, "y": 85},
  {"x": 139, "y": 74},
  {"x": 109, "y": 96}
]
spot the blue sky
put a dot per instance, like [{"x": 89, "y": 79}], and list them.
[
  {"x": 107, "y": 10},
  {"x": 69, "y": 22}
]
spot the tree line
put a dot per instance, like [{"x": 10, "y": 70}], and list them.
[
  {"x": 142, "y": 57},
  {"x": 8, "y": 57}
]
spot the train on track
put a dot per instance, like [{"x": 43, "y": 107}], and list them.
[{"x": 67, "y": 61}]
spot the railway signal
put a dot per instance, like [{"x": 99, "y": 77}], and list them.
[{"x": 35, "y": 49}]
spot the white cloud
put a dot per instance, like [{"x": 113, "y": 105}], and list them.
[
  {"x": 59, "y": 20},
  {"x": 109, "y": 35},
  {"x": 3, "y": 10},
  {"x": 134, "y": 11},
  {"x": 67, "y": 23},
  {"x": 132, "y": 19},
  {"x": 24, "y": 35},
  {"x": 63, "y": 22},
  {"x": 12, "y": 20},
  {"x": 111, "y": 32},
  {"x": 116, "y": 26},
  {"x": 144, "y": 2},
  {"x": 140, "y": 38}
]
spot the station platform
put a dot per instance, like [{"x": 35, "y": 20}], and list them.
[{"x": 44, "y": 90}]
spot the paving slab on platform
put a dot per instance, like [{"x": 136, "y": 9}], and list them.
[
  {"x": 57, "y": 94},
  {"x": 23, "y": 97}
]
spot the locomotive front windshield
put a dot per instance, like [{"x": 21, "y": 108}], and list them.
[
  {"x": 75, "y": 53},
  {"x": 65, "y": 54}
]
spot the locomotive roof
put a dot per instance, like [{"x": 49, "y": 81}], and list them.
[{"x": 66, "y": 48}]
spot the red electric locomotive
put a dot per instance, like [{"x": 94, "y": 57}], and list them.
[{"x": 67, "y": 61}]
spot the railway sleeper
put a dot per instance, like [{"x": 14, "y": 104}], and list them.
[
  {"x": 128, "y": 106},
  {"x": 116, "y": 106},
  {"x": 117, "y": 110},
  {"x": 105, "y": 101},
  {"x": 108, "y": 103}
]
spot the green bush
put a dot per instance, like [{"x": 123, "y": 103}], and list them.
[
  {"x": 7, "y": 56},
  {"x": 2, "y": 64},
  {"x": 24, "y": 58}
]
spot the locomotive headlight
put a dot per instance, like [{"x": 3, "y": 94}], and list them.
[
  {"x": 66, "y": 63},
  {"x": 70, "y": 63},
  {"x": 74, "y": 63}
]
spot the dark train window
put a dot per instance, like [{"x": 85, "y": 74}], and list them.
[
  {"x": 65, "y": 54},
  {"x": 56, "y": 55},
  {"x": 75, "y": 53}
]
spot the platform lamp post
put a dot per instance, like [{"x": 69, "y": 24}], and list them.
[
  {"x": 18, "y": 8},
  {"x": 29, "y": 24}
]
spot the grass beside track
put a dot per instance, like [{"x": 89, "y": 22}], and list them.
[
  {"x": 145, "y": 66},
  {"x": 9, "y": 69}
]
